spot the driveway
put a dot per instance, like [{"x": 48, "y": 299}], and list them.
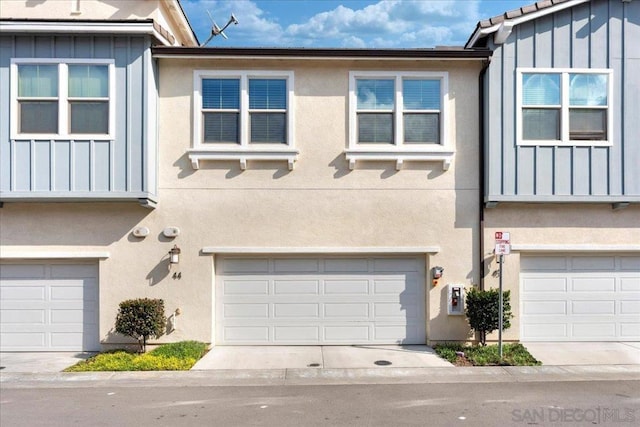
[
  {"x": 40, "y": 362},
  {"x": 327, "y": 357},
  {"x": 585, "y": 353}
]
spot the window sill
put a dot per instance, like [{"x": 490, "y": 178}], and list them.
[
  {"x": 243, "y": 155},
  {"x": 436, "y": 154}
]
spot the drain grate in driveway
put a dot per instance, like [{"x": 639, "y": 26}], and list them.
[
  {"x": 382, "y": 362},
  {"x": 313, "y": 365}
]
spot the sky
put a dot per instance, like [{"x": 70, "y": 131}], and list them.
[{"x": 343, "y": 23}]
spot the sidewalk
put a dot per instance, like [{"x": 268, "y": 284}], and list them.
[{"x": 315, "y": 376}]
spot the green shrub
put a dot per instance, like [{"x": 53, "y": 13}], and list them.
[
  {"x": 140, "y": 319},
  {"x": 482, "y": 311}
]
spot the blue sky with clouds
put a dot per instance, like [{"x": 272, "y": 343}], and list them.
[{"x": 344, "y": 23}]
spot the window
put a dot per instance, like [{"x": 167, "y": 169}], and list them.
[
  {"x": 564, "y": 107},
  {"x": 61, "y": 99},
  {"x": 398, "y": 116},
  {"x": 239, "y": 114},
  {"x": 398, "y": 110}
]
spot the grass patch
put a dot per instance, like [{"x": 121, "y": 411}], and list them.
[
  {"x": 180, "y": 356},
  {"x": 514, "y": 354}
]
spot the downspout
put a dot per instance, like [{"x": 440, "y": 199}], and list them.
[{"x": 481, "y": 168}]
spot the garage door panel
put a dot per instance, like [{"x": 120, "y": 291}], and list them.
[
  {"x": 630, "y": 330},
  {"x": 341, "y": 311},
  {"x": 296, "y": 287},
  {"x": 383, "y": 265},
  {"x": 243, "y": 334},
  {"x": 630, "y": 263},
  {"x": 298, "y": 310},
  {"x": 545, "y": 284},
  {"x": 24, "y": 340},
  {"x": 22, "y": 271},
  {"x": 246, "y": 287},
  {"x": 320, "y": 301},
  {"x": 246, "y": 310},
  {"x": 630, "y": 284},
  {"x": 72, "y": 271},
  {"x": 593, "y": 263},
  {"x": 345, "y": 286},
  {"x": 297, "y": 265},
  {"x": 10, "y": 291},
  {"x": 544, "y": 307},
  {"x": 350, "y": 265},
  {"x": 66, "y": 340},
  {"x": 295, "y": 334},
  {"x": 22, "y": 316},
  {"x": 602, "y": 301},
  {"x": 347, "y": 334},
  {"x": 629, "y": 307},
  {"x": 593, "y": 284},
  {"x": 593, "y": 307},
  {"x": 594, "y": 330}
]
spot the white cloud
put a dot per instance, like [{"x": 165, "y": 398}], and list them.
[{"x": 387, "y": 23}]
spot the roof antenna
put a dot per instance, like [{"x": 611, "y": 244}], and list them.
[{"x": 215, "y": 30}]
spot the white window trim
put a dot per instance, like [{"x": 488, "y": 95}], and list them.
[
  {"x": 244, "y": 151},
  {"x": 63, "y": 98},
  {"x": 398, "y": 151},
  {"x": 564, "y": 107}
]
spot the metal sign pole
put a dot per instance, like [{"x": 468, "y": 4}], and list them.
[{"x": 500, "y": 309}]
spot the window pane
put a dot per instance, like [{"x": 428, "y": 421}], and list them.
[
  {"x": 588, "y": 89},
  {"x": 540, "y": 124},
  {"x": 375, "y": 94},
  {"x": 375, "y": 128},
  {"x": 39, "y": 117},
  {"x": 422, "y": 128},
  {"x": 221, "y": 93},
  {"x": 221, "y": 127},
  {"x": 38, "y": 80},
  {"x": 88, "y": 81},
  {"x": 587, "y": 125},
  {"x": 421, "y": 94},
  {"x": 268, "y": 94},
  {"x": 89, "y": 117},
  {"x": 541, "y": 89},
  {"x": 268, "y": 128}
]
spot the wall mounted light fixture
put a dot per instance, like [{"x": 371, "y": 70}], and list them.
[
  {"x": 437, "y": 273},
  {"x": 174, "y": 255}
]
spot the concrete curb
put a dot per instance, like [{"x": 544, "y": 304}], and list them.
[{"x": 315, "y": 376}]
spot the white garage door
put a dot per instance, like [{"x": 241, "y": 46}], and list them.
[
  {"x": 580, "y": 298},
  {"x": 320, "y": 300},
  {"x": 49, "y": 306}
]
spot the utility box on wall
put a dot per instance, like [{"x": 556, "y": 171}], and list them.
[{"x": 455, "y": 299}]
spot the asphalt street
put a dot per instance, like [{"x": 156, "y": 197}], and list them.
[{"x": 473, "y": 404}]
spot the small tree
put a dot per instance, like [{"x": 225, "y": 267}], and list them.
[
  {"x": 482, "y": 311},
  {"x": 140, "y": 319}
]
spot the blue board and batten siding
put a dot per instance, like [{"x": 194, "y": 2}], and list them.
[
  {"x": 122, "y": 168},
  {"x": 598, "y": 34}
]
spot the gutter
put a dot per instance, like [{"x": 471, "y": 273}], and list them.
[
  {"x": 320, "y": 53},
  {"x": 481, "y": 169}
]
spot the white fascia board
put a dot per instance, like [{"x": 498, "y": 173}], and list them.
[
  {"x": 309, "y": 58},
  {"x": 521, "y": 19},
  {"x": 575, "y": 248},
  {"x": 177, "y": 12},
  {"x": 83, "y": 28},
  {"x": 211, "y": 250},
  {"x": 8, "y": 252}
]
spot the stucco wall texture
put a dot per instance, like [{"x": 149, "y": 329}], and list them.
[{"x": 321, "y": 203}]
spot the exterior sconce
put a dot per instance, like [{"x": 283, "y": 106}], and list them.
[
  {"x": 174, "y": 255},
  {"x": 437, "y": 273}
]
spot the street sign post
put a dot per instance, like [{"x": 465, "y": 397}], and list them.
[{"x": 502, "y": 248}]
